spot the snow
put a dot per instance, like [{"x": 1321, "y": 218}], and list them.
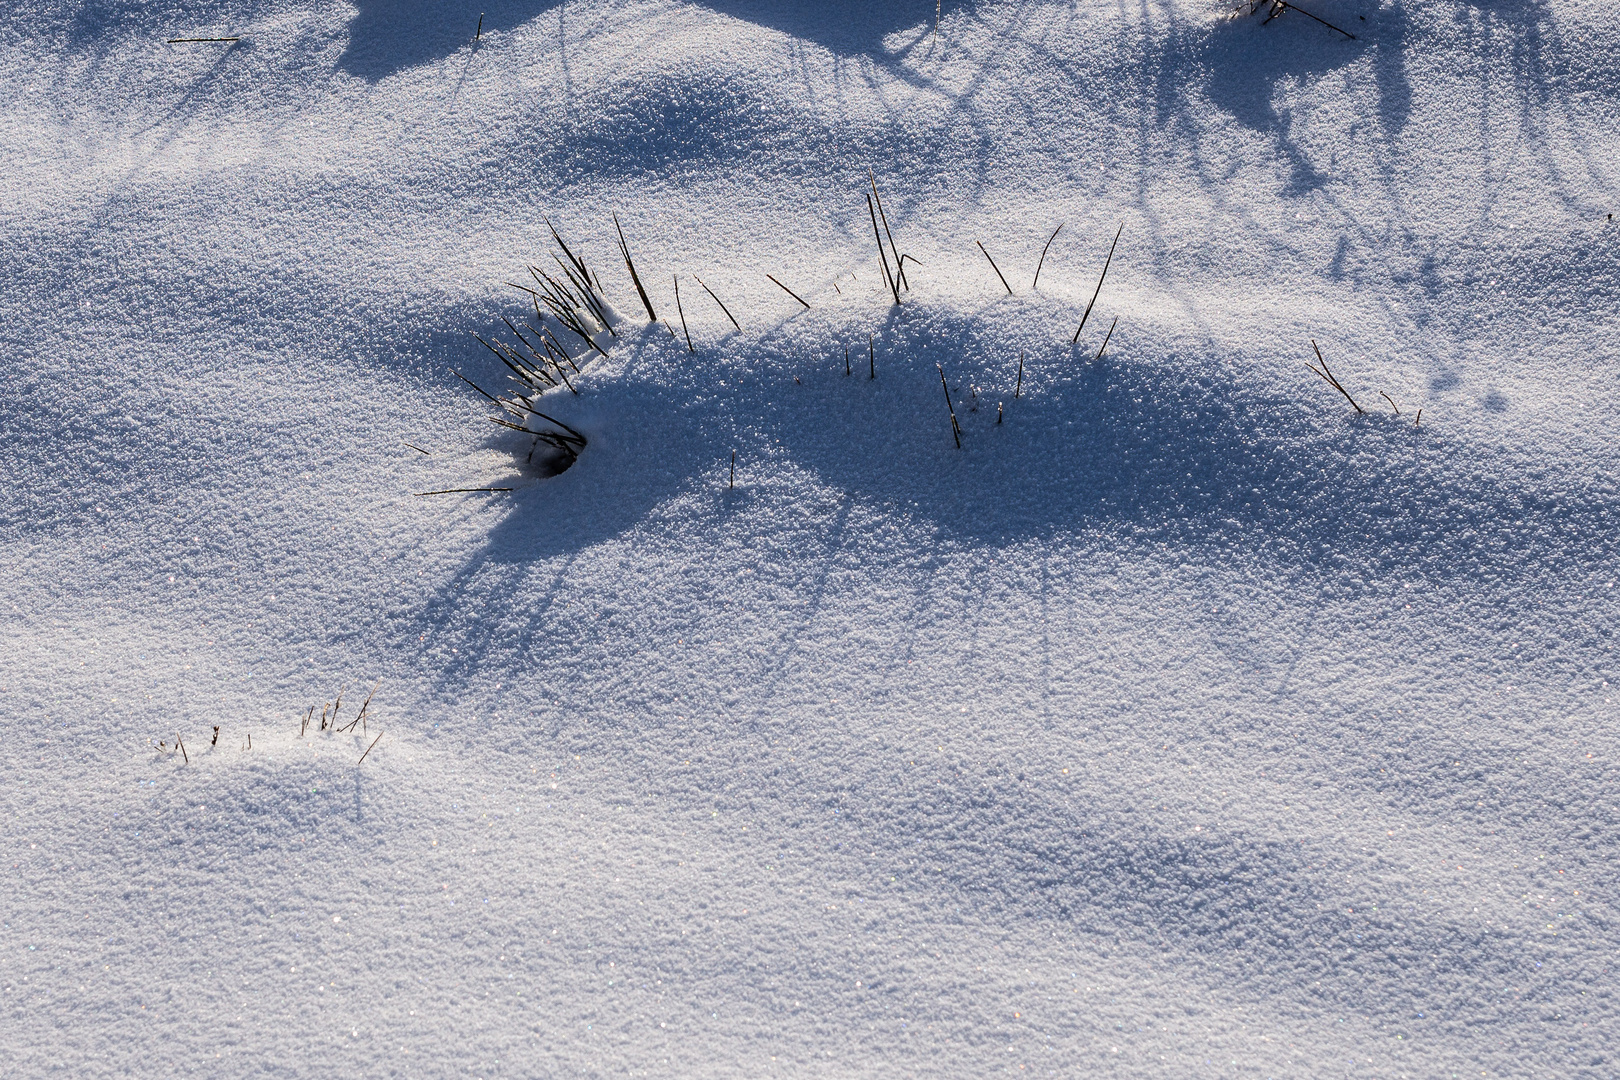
[{"x": 1183, "y": 722}]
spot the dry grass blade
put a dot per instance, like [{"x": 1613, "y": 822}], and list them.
[
  {"x": 1331, "y": 379},
  {"x": 624, "y": 249},
  {"x": 374, "y": 742},
  {"x": 1042, "y": 263},
  {"x": 475, "y": 386},
  {"x": 1103, "y": 277},
  {"x": 1280, "y": 6},
  {"x": 1106, "y": 339},
  {"x": 899, "y": 259},
  {"x": 457, "y": 491},
  {"x": 996, "y": 268},
  {"x": 790, "y": 292},
  {"x": 956, "y": 429},
  {"x": 682, "y": 313},
  {"x": 717, "y": 300},
  {"x": 888, "y": 278}
]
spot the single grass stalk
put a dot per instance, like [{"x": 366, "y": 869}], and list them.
[
  {"x": 996, "y": 268},
  {"x": 1042, "y": 263},
  {"x": 956, "y": 429},
  {"x": 475, "y": 386},
  {"x": 624, "y": 249},
  {"x": 871, "y": 356},
  {"x": 215, "y": 741},
  {"x": 195, "y": 40},
  {"x": 682, "y": 313},
  {"x": 1020, "y": 384},
  {"x": 1391, "y": 401},
  {"x": 178, "y": 742},
  {"x": 790, "y": 292},
  {"x": 367, "y": 704},
  {"x": 418, "y": 449},
  {"x": 1419, "y": 419},
  {"x": 1101, "y": 278},
  {"x": 1331, "y": 380},
  {"x": 733, "y": 481},
  {"x": 478, "y": 34},
  {"x": 1106, "y": 338},
  {"x": 846, "y": 360},
  {"x": 899, "y": 259},
  {"x": 888, "y": 278},
  {"x": 456, "y": 491},
  {"x": 717, "y": 300},
  {"x": 1280, "y": 6},
  {"x": 374, "y": 742}
]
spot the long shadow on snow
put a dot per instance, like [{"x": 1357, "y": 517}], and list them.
[
  {"x": 388, "y": 36},
  {"x": 1157, "y": 444},
  {"x": 1143, "y": 445},
  {"x": 1272, "y": 918}
]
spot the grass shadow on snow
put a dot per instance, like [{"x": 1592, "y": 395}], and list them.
[
  {"x": 1175, "y": 447},
  {"x": 388, "y": 36}
]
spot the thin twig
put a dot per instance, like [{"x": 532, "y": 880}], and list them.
[
  {"x": 454, "y": 491},
  {"x": 1103, "y": 277},
  {"x": 996, "y": 268},
  {"x": 871, "y": 356},
  {"x": 790, "y": 292},
  {"x": 720, "y": 302},
  {"x": 1042, "y": 263},
  {"x": 418, "y": 449},
  {"x": 1106, "y": 338},
  {"x": 374, "y": 742},
  {"x": 1391, "y": 401},
  {"x": 680, "y": 311},
  {"x": 193, "y": 40},
  {"x": 479, "y": 33},
  {"x": 1020, "y": 384},
  {"x": 1419, "y": 419},
  {"x": 180, "y": 743},
  {"x": 733, "y": 482}
]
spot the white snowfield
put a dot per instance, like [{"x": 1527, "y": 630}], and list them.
[{"x": 1184, "y": 721}]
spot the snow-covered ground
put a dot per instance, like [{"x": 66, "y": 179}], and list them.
[{"x": 1182, "y": 722}]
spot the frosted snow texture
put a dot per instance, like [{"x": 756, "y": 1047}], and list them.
[{"x": 1181, "y": 723}]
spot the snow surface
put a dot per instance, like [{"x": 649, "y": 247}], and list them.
[{"x": 1182, "y": 724}]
